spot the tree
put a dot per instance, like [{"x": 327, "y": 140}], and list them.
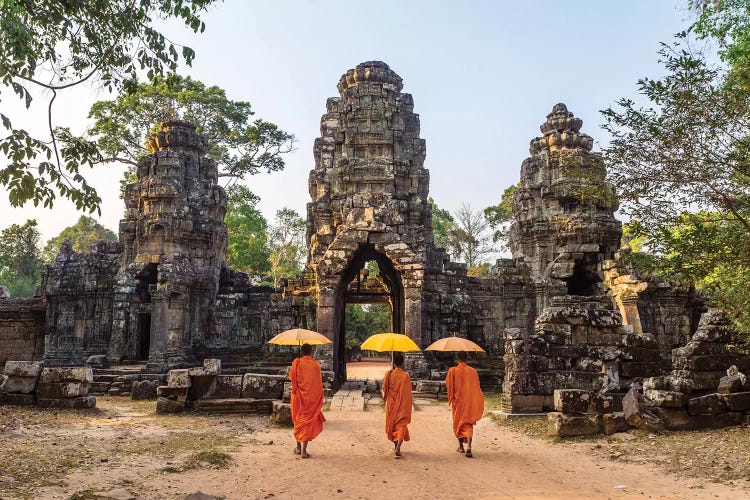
[
  {"x": 681, "y": 165},
  {"x": 81, "y": 235},
  {"x": 469, "y": 237},
  {"x": 500, "y": 216},
  {"x": 726, "y": 23},
  {"x": 48, "y": 46},
  {"x": 240, "y": 145},
  {"x": 442, "y": 221},
  {"x": 247, "y": 248},
  {"x": 288, "y": 251},
  {"x": 20, "y": 259},
  {"x": 364, "y": 320}
]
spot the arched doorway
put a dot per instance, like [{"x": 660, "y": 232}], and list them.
[{"x": 369, "y": 278}]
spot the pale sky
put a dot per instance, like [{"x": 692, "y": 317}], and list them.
[{"x": 484, "y": 74}]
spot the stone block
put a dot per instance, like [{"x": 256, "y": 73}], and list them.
[
  {"x": 570, "y": 424},
  {"x": 734, "y": 381},
  {"x": 97, "y": 361},
  {"x": 638, "y": 369},
  {"x": 78, "y": 403},
  {"x": 614, "y": 422},
  {"x": 522, "y": 403},
  {"x": 668, "y": 399},
  {"x": 563, "y": 379},
  {"x": 23, "y": 368},
  {"x": 712, "y": 404},
  {"x": 164, "y": 405},
  {"x": 99, "y": 387},
  {"x": 431, "y": 386},
  {"x": 217, "y": 387},
  {"x": 668, "y": 383},
  {"x": 179, "y": 378},
  {"x": 234, "y": 405},
  {"x": 173, "y": 393},
  {"x": 62, "y": 390},
  {"x": 706, "y": 380},
  {"x": 19, "y": 385},
  {"x": 572, "y": 400},
  {"x": 522, "y": 383},
  {"x": 212, "y": 366},
  {"x": 55, "y": 375},
  {"x": 144, "y": 389},
  {"x": 260, "y": 386},
  {"x": 527, "y": 362},
  {"x": 729, "y": 419},
  {"x": 282, "y": 413},
  {"x": 638, "y": 414},
  {"x": 197, "y": 371},
  {"x": 738, "y": 401},
  {"x": 718, "y": 362},
  {"x": 17, "y": 399},
  {"x": 288, "y": 392},
  {"x": 606, "y": 403}
]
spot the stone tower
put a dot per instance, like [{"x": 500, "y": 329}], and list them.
[
  {"x": 174, "y": 243},
  {"x": 369, "y": 198},
  {"x": 564, "y": 225}
]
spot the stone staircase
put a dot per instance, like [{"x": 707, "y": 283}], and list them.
[{"x": 118, "y": 381}]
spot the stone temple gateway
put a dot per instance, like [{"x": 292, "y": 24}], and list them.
[{"x": 564, "y": 312}]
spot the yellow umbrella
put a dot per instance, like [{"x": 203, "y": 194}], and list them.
[
  {"x": 454, "y": 344},
  {"x": 389, "y": 342},
  {"x": 299, "y": 336}
]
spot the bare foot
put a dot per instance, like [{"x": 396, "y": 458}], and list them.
[
  {"x": 461, "y": 450},
  {"x": 398, "y": 455},
  {"x": 305, "y": 455},
  {"x": 296, "y": 451},
  {"x": 468, "y": 454}
]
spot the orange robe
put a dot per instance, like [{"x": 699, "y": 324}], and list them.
[
  {"x": 397, "y": 395},
  {"x": 465, "y": 398},
  {"x": 307, "y": 399}
]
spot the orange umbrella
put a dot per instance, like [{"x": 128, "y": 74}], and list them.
[
  {"x": 299, "y": 336},
  {"x": 454, "y": 344}
]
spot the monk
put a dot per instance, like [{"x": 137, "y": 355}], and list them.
[
  {"x": 397, "y": 396},
  {"x": 306, "y": 400},
  {"x": 466, "y": 400}
]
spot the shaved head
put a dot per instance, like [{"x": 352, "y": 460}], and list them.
[
  {"x": 306, "y": 349},
  {"x": 462, "y": 356},
  {"x": 398, "y": 359}
]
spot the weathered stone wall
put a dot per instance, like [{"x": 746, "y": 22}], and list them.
[
  {"x": 670, "y": 313},
  {"x": 79, "y": 288},
  {"x": 21, "y": 329}
]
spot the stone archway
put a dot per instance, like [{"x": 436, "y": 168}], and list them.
[
  {"x": 339, "y": 266},
  {"x": 350, "y": 290}
]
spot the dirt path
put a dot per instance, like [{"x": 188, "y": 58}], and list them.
[{"x": 352, "y": 459}]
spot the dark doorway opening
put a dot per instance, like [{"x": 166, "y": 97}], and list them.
[
  {"x": 585, "y": 279},
  {"x": 145, "y": 287},
  {"x": 372, "y": 283},
  {"x": 143, "y": 336}
]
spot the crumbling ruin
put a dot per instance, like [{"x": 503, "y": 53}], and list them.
[{"x": 565, "y": 313}]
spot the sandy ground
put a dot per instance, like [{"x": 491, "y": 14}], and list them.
[
  {"x": 374, "y": 370},
  {"x": 352, "y": 459}
]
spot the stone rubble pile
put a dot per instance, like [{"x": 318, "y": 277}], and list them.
[
  {"x": 579, "y": 412},
  {"x": 65, "y": 387},
  {"x": 20, "y": 384},
  {"x": 29, "y": 383},
  {"x": 207, "y": 389}
]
